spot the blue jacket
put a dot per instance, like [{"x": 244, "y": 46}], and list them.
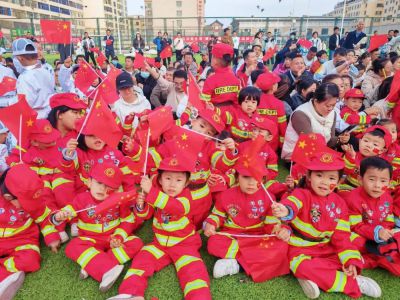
[
  {"x": 157, "y": 42},
  {"x": 351, "y": 40},
  {"x": 111, "y": 46}
]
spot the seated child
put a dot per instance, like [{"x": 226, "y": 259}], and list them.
[
  {"x": 176, "y": 240},
  {"x": 321, "y": 254},
  {"x": 246, "y": 209},
  {"x": 104, "y": 241}
]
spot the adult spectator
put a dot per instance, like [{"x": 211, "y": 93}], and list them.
[
  {"x": 322, "y": 57},
  {"x": 297, "y": 69},
  {"x": 236, "y": 43},
  {"x": 159, "y": 95},
  {"x": 179, "y": 44},
  {"x": 315, "y": 116},
  {"x": 292, "y": 39},
  {"x": 381, "y": 69},
  {"x": 138, "y": 42},
  {"x": 395, "y": 33},
  {"x": 65, "y": 50},
  {"x": 316, "y": 41},
  {"x": 354, "y": 38},
  {"x": 204, "y": 62},
  {"x": 365, "y": 59},
  {"x": 129, "y": 65},
  {"x": 394, "y": 44},
  {"x": 145, "y": 82},
  {"x": 250, "y": 64},
  {"x": 396, "y": 63},
  {"x": 88, "y": 44},
  {"x": 259, "y": 40},
  {"x": 158, "y": 42},
  {"x": 334, "y": 40},
  {"x": 210, "y": 45},
  {"x": 227, "y": 37},
  {"x": 190, "y": 65},
  {"x": 390, "y": 34},
  {"x": 343, "y": 39},
  {"x": 108, "y": 39},
  {"x": 10, "y": 97},
  {"x": 257, "y": 49},
  {"x": 305, "y": 88},
  {"x": 329, "y": 66},
  {"x": 310, "y": 57},
  {"x": 166, "y": 42},
  {"x": 270, "y": 43}
]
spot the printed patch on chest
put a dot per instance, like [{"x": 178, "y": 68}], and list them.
[
  {"x": 233, "y": 210},
  {"x": 315, "y": 213}
]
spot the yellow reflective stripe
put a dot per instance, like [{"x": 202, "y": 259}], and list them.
[
  {"x": 200, "y": 193},
  {"x": 346, "y": 255},
  {"x": 136, "y": 157},
  {"x": 353, "y": 236},
  {"x": 161, "y": 200},
  {"x": 194, "y": 285},
  {"x": 185, "y": 203},
  {"x": 59, "y": 181},
  {"x": 43, "y": 171},
  {"x": 172, "y": 225},
  {"x": 217, "y": 212},
  {"x": 281, "y": 119},
  {"x": 98, "y": 228},
  {"x": 44, "y": 215},
  {"x": 132, "y": 272},
  {"x": 232, "y": 250},
  {"x": 296, "y": 261},
  {"x": 28, "y": 247},
  {"x": 205, "y": 97},
  {"x": 390, "y": 218},
  {"x": 129, "y": 219},
  {"x": 228, "y": 118},
  {"x": 121, "y": 232},
  {"x": 340, "y": 282},
  {"x": 295, "y": 201},
  {"x": 271, "y": 220},
  {"x": 273, "y": 167},
  {"x": 240, "y": 133},
  {"x": 156, "y": 252},
  {"x": 7, "y": 232},
  {"x": 346, "y": 116},
  {"x": 214, "y": 158},
  {"x": 228, "y": 162},
  {"x": 309, "y": 229},
  {"x": 363, "y": 119},
  {"x": 125, "y": 170},
  {"x": 343, "y": 225},
  {"x": 215, "y": 219},
  {"x": 69, "y": 208},
  {"x": 49, "y": 229},
  {"x": 10, "y": 265},
  {"x": 345, "y": 187},
  {"x": 269, "y": 183},
  {"x": 349, "y": 164},
  {"x": 184, "y": 261},
  {"x": 87, "y": 239},
  {"x": 86, "y": 256},
  {"x": 200, "y": 175},
  {"x": 352, "y": 180},
  {"x": 230, "y": 224},
  {"x": 299, "y": 242},
  {"x": 156, "y": 156},
  {"x": 355, "y": 219},
  {"x": 390, "y": 105},
  {"x": 47, "y": 184},
  {"x": 169, "y": 241},
  {"x": 120, "y": 255}
]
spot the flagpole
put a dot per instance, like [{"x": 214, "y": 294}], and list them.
[
  {"x": 147, "y": 152},
  {"x": 87, "y": 116},
  {"x": 20, "y": 138},
  {"x": 202, "y": 134},
  {"x": 343, "y": 15},
  {"x": 268, "y": 194},
  {"x": 246, "y": 235},
  {"x": 70, "y": 46}
]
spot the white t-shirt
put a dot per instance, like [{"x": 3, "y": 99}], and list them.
[
  {"x": 236, "y": 42},
  {"x": 122, "y": 109}
]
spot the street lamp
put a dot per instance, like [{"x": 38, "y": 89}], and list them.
[{"x": 144, "y": 23}]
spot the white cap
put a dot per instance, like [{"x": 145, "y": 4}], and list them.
[{"x": 23, "y": 46}]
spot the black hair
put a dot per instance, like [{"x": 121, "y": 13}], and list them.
[
  {"x": 130, "y": 57},
  {"x": 375, "y": 162},
  {"x": 226, "y": 29},
  {"x": 384, "y": 88},
  {"x": 303, "y": 83},
  {"x": 256, "y": 35},
  {"x": 334, "y": 28},
  {"x": 252, "y": 48},
  {"x": 246, "y": 53},
  {"x": 361, "y": 67},
  {"x": 350, "y": 50},
  {"x": 254, "y": 75},
  {"x": 377, "y": 132},
  {"x": 393, "y": 57},
  {"x": 396, "y": 31},
  {"x": 340, "y": 52},
  {"x": 330, "y": 77},
  {"x": 249, "y": 92},
  {"x": 55, "y": 112},
  {"x": 187, "y": 173},
  {"x": 180, "y": 74},
  {"x": 315, "y": 32},
  {"x": 188, "y": 53},
  {"x": 379, "y": 64},
  {"x": 209, "y": 71},
  {"x": 382, "y": 122},
  {"x": 313, "y": 49},
  {"x": 326, "y": 90},
  {"x": 339, "y": 63},
  {"x": 81, "y": 143},
  {"x": 303, "y": 180},
  {"x": 3, "y": 187},
  {"x": 321, "y": 52},
  {"x": 226, "y": 60},
  {"x": 349, "y": 78}
]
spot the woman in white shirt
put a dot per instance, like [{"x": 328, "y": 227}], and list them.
[{"x": 316, "y": 41}]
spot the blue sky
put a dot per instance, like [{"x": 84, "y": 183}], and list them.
[{"x": 247, "y": 8}]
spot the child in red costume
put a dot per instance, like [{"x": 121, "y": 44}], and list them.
[
  {"x": 104, "y": 242},
  {"x": 246, "y": 209},
  {"x": 22, "y": 209},
  {"x": 320, "y": 252},
  {"x": 176, "y": 240}
]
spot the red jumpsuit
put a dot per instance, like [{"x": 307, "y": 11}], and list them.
[
  {"x": 19, "y": 236},
  {"x": 237, "y": 212},
  {"x": 355, "y": 118},
  {"x": 176, "y": 241},
  {"x": 351, "y": 170},
  {"x": 274, "y": 109},
  {"x": 91, "y": 249},
  {"x": 320, "y": 244},
  {"x": 221, "y": 88},
  {"x": 392, "y": 155}
]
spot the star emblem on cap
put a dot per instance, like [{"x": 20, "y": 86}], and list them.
[
  {"x": 47, "y": 128},
  {"x": 173, "y": 162},
  {"x": 326, "y": 158}
]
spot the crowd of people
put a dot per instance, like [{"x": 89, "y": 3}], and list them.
[{"x": 210, "y": 164}]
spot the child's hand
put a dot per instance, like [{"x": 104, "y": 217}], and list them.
[
  {"x": 385, "y": 234},
  {"x": 349, "y": 150},
  {"x": 289, "y": 182},
  {"x": 214, "y": 179},
  {"x": 229, "y": 143},
  {"x": 373, "y": 110},
  {"x": 116, "y": 242},
  {"x": 283, "y": 234},
  {"x": 209, "y": 230},
  {"x": 62, "y": 215},
  {"x": 146, "y": 184},
  {"x": 344, "y": 138},
  {"x": 72, "y": 144},
  {"x": 54, "y": 246},
  {"x": 279, "y": 210},
  {"x": 140, "y": 200},
  {"x": 351, "y": 271}
]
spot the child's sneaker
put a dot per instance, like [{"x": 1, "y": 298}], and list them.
[
  {"x": 110, "y": 277},
  {"x": 83, "y": 274},
  {"x": 63, "y": 237},
  {"x": 310, "y": 288},
  {"x": 74, "y": 230},
  {"x": 226, "y": 266},
  {"x": 126, "y": 297},
  {"x": 369, "y": 287},
  {"x": 10, "y": 285}
]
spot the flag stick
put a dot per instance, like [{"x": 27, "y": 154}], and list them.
[
  {"x": 20, "y": 138},
  {"x": 246, "y": 235},
  {"x": 291, "y": 166},
  {"x": 147, "y": 152},
  {"x": 70, "y": 46},
  {"x": 202, "y": 134},
  {"x": 87, "y": 116},
  {"x": 268, "y": 194}
]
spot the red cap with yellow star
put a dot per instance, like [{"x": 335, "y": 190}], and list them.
[
  {"x": 176, "y": 164},
  {"x": 108, "y": 174},
  {"x": 70, "y": 100},
  {"x": 213, "y": 118},
  {"x": 43, "y": 132},
  {"x": 324, "y": 161}
]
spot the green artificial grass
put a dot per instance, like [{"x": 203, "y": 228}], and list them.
[{"x": 58, "y": 279}]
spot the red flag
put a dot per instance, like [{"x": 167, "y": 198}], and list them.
[
  {"x": 269, "y": 54},
  {"x": 115, "y": 199},
  {"x": 394, "y": 93},
  {"x": 250, "y": 158},
  {"x": 305, "y": 43},
  {"x": 85, "y": 76},
  {"x": 1, "y": 34},
  {"x": 307, "y": 145},
  {"x": 194, "y": 93},
  {"x": 101, "y": 123},
  {"x": 101, "y": 58},
  {"x": 160, "y": 120},
  {"x": 139, "y": 61},
  {"x": 195, "y": 47},
  {"x": 10, "y": 116},
  {"x": 56, "y": 32},
  {"x": 376, "y": 41},
  {"x": 7, "y": 85},
  {"x": 108, "y": 88},
  {"x": 166, "y": 52}
]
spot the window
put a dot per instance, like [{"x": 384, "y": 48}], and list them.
[
  {"x": 324, "y": 31},
  {"x": 54, "y": 8},
  {"x": 179, "y": 23},
  {"x": 179, "y": 13},
  {"x": 65, "y": 11},
  {"x": 178, "y": 3},
  {"x": 5, "y": 11},
  {"x": 43, "y": 6}
]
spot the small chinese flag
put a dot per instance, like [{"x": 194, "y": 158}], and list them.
[
  {"x": 7, "y": 85},
  {"x": 56, "y": 32},
  {"x": 101, "y": 123},
  {"x": 194, "y": 93},
  {"x": 376, "y": 41},
  {"x": 307, "y": 145},
  {"x": 394, "y": 93},
  {"x": 166, "y": 52},
  {"x": 305, "y": 43},
  {"x": 85, "y": 76},
  {"x": 195, "y": 47},
  {"x": 114, "y": 200},
  {"x": 160, "y": 120},
  {"x": 269, "y": 54},
  {"x": 250, "y": 158},
  {"x": 108, "y": 88},
  {"x": 1, "y": 34},
  {"x": 101, "y": 58},
  {"x": 139, "y": 61},
  {"x": 18, "y": 114}
]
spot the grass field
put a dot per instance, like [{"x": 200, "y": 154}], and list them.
[{"x": 58, "y": 279}]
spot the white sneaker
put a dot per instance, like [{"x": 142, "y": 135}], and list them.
[
  {"x": 310, "y": 288},
  {"x": 83, "y": 274},
  {"x": 10, "y": 285},
  {"x": 226, "y": 266},
  {"x": 63, "y": 237},
  {"x": 110, "y": 277},
  {"x": 74, "y": 230},
  {"x": 126, "y": 297},
  {"x": 369, "y": 286}
]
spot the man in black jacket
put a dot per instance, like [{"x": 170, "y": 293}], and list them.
[
  {"x": 354, "y": 37},
  {"x": 334, "y": 41}
]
